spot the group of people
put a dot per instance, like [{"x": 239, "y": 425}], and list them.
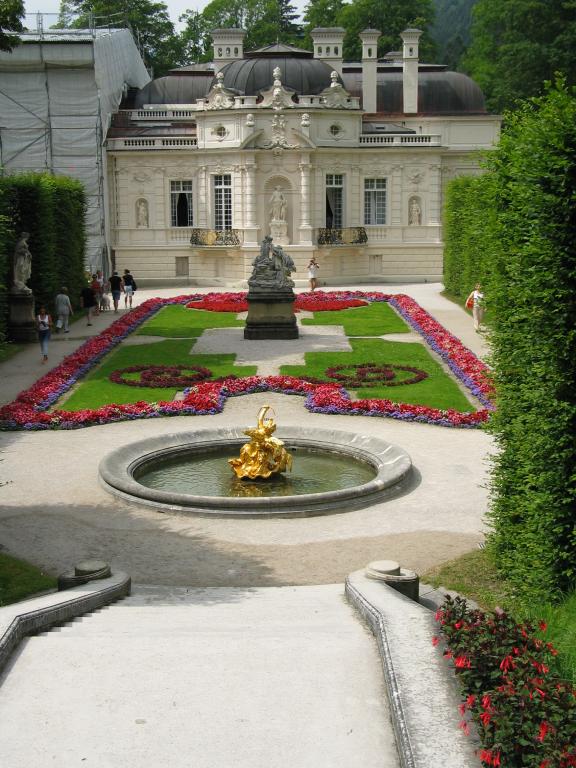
[{"x": 94, "y": 298}]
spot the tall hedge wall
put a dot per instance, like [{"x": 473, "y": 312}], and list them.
[
  {"x": 51, "y": 209},
  {"x": 6, "y": 246},
  {"x": 525, "y": 251}
]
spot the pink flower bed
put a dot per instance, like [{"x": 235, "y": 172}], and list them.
[{"x": 30, "y": 410}]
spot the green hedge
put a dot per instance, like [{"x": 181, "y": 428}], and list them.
[
  {"x": 6, "y": 247},
  {"x": 51, "y": 209},
  {"x": 520, "y": 243}
]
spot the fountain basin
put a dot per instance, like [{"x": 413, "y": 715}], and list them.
[{"x": 367, "y": 469}]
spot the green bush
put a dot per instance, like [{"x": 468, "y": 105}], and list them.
[{"x": 6, "y": 246}]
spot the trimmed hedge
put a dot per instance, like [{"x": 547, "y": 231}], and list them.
[
  {"x": 6, "y": 247},
  {"x": 51, "y": 209},
  {"x": 521, "y": 245}
]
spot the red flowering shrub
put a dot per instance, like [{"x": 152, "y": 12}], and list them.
[
  {"x": 168, "y": 376},
  {"x": 525, "y": 717},
  {"x": 370, "y": 375}
]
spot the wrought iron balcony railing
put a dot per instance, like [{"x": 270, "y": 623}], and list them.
[
  {"x": 214, "y": 237},
  {"x": 344, "y": 236}
]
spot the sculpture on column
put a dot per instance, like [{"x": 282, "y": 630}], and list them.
[
  {"x": 22, "y": 265},
  {"x": 414, "y": 212}
]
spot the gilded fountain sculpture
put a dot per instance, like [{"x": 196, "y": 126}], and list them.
[{"x": 264, "y": 455}]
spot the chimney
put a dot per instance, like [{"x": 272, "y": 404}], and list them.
[
  {"x": 228, "y": 46},
  {"x": 328, "y": 43},
  {"x": 410, "y": 39},
  {"x": 369, "y": 39}
]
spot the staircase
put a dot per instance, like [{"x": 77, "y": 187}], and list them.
[{"x": 169, "y": 677}]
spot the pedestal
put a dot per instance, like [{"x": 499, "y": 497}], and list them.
[
  {"x": 21, "y": 322},
  {"x": 271, "y": 316},
  {"x": 279, "y": 232}
]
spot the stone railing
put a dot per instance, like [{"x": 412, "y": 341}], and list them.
[
  {"x": 401, "y": 139},
  {"x": 163, "y": 114},
  {"x": 344, "y": 236},
  {"x": 211, "y": 237},
  {"x": 143, "y": 143}
]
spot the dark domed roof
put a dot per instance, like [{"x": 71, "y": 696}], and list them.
[
  {"x": 302, "y": 74},
  {"x": 439, "y": 92},
  {"x": 174, "y": 89}
]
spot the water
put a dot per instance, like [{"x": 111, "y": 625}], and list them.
[{"x": 209, "y": 474}]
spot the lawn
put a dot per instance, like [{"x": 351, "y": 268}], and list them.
[
  {"x": 96, "y": 389},
  {"x": 438, "y": 390},
  {"x": 376, "y": 319},
  {"x": 176, "y": 321},
  {"x": 19, "y": 580}
]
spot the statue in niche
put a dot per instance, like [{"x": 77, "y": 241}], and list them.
[
  {"x": 22, "y": 265},
  {"x": 277, "y": 205},
  {"x": 414, "y": 212},
  {"x": 272, "y": 267},
  {"x": 142, "y": 213}
]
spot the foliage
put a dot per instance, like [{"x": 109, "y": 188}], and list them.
[
  {"x": 148, "y": 20},
  {"x": 517, "y": 45},
  {"x": 391, "y": 17},
  {"x": 451, "y": 29},
  {"x": 19, "y": 580},
  {"x": 532, "y": 292},
  {"x": 6, "y": 248},
  {"x": 11, "y": 15},
  {"x": 320, "y": 13},
  {"x": 524, "y": 716},
  {"x": 471, "y": 233}
]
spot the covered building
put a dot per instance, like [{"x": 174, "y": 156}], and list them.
[{"x": 58, "y": 91}]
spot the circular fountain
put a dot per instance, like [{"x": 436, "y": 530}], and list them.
[{"x": 190, "y": 472}]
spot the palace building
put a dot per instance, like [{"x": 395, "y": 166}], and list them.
[{"x": 358, "y": 151}]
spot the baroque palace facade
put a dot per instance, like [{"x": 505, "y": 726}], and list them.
[{"x": 344, "y": 161}]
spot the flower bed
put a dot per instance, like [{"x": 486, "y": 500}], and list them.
[
  {"x": 524, "y": 716},
  {"x": 309, "y": 302},
  {"x": 30, "y": 410}
]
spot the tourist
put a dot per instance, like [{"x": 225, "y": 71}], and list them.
[
  {"x": 116, "y": 286},
  {"x": 129, "y": 288},
  {"x": 475, "y": 301},
  {"x": 96, "y": 286},
  {"x": 105, "y": 298},
  {"x": 44, "y": 324},
  {"x": 63, "y": 309},
  {"x": 313, "y": 268},
  {"x": 88, "y": 302}
]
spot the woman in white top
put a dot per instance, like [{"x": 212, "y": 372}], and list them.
[
  {"x": 313, "y": 268},
  {"x": 44, "y": 324},
  {"x": 476, "y": 298}
]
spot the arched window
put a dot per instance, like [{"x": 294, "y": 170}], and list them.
[
  {"x": 327, "y": 50},
  {"x": 319, "y": 50},
  {"x": 335, "y": 50},
  {"x": 235, "y": 51},
  {"x": 369, "y": 53}
]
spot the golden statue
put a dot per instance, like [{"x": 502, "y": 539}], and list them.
[{"x": 264, "y": 455}]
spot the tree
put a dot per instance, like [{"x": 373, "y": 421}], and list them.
[
  {"x": 320, "y": 13},
  {"x": 451, "y": 29},
  {"x": 193, "y": 37},
  {"x": 519, "y": 45},
  {"x": 148, "y": 20},
  {"x": 388, "y": 16},
  {"x": 11, "y": 15}
]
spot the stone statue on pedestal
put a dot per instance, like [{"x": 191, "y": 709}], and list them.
[
  {"x": 22, "y": 265},
  {"x": 277, "y": 205},
  {"x": 272, "y": 268}
]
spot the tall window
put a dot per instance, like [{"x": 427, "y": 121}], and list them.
[
  {"x": 181, "y": 209},
  {"x": 374, "y": 201},
  {"x": 223, "y": 201},
  {"x": 334, "y": 200}
]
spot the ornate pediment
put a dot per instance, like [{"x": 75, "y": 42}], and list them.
[
  {"x": 336, "y": 96},
  {"x": 278, "y": 138},
  {"x": 277, "y": 97},
  {"x": 219, "y": 97}
]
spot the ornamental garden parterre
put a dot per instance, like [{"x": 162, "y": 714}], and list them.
[{"x": 206, "y": 390}]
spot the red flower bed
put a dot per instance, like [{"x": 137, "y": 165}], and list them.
[
  {"x": 310, "y": 302},
  {"x": 161, "y": 376},
  {"x": 369, "y": 375},
  {"x": 30, "y": 409},
  {"x": 524, "y": 716}
]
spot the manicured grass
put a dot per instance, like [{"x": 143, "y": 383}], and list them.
[
  {"x": 439, "y": 390},
  {"x": 176, "y": 321},
  {"x": 19, "y": 580},
  {"x": 8, "y": 349},
  {"x": 474, "y": 575},
  {"x": 97, "y": 390},
  {"x": 376, "y": 319}
]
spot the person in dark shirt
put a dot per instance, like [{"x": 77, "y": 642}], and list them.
[
  {"x": 116, "y": 287},
  {"x": 129, "y": 287},
  {"x": 88, "y": 302}
]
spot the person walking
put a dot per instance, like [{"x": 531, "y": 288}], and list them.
[
  {"x": 96, "y": 286},
  {"x": 88, "y": 302},
  {"x": 63, "y": 309},
  {"x": 116, "y": 286},
  {"x": 313, "y": 268},
  {"x": 44, "y": 324},
  {"x": 129, "y": 288},
  {"x": 475, "y": 301}
]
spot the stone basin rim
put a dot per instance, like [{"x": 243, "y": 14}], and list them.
[{"x": 391, "y": 463}]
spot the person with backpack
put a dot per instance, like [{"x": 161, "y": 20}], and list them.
[{"x": 129, "y": 288}]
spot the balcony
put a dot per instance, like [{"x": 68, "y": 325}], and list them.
[
  {"x": 145, "y": 143},
  {"x": 400, "y": 140},
  {"x": 344, "y": 236},
  {"x": 212, "y": 237}
]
